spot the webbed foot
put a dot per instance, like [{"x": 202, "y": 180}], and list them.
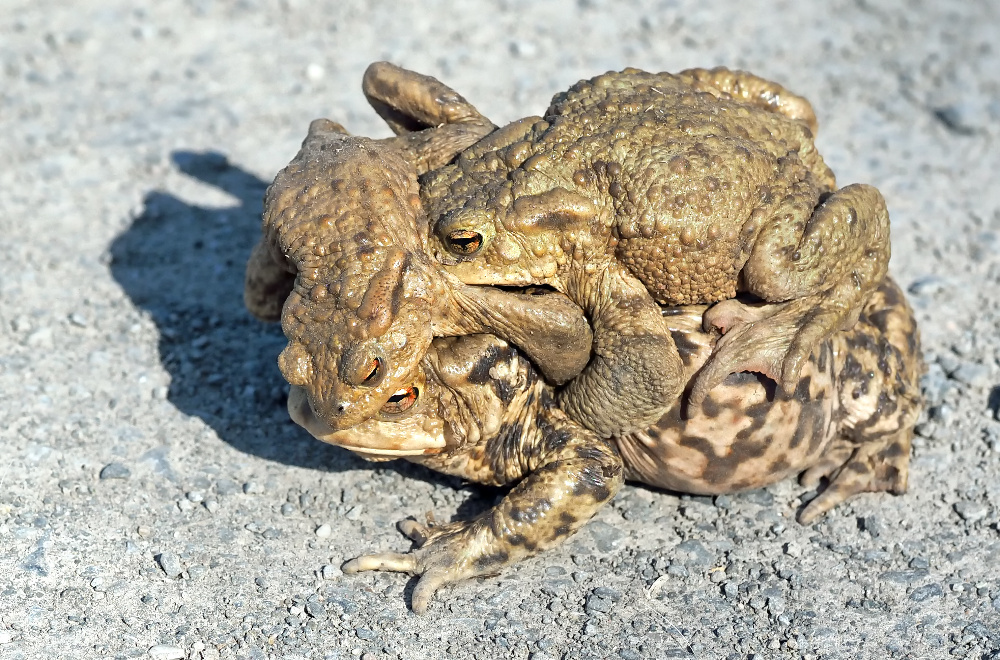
[
  {"x": 442, "y": 557},
  {"x": 851, "y": 469}
]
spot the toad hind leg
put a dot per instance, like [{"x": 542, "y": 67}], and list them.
[
  {"x": 850, "y": 469},
  {"x": 575, "y": 474},
  {"x": 433, "y": 121},
  {"x": 758, "y": 91},
  {"x": 825, "y": 268},
  {"x": 267, "y": 283}
]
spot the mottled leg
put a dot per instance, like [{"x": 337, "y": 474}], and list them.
[
  {"x": 758, "y": 91},
  {"x": 433, "y": 121},
  {"x": 574, "y": 475},
  {"x": 874, "y": 466},
  {"x": 635, "y": 373},
  {"x": 825, "y": 267},
  {"x": 267, "y": 283}
]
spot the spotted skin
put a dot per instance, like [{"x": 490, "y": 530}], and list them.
[
  {"x": 563, "y": 473},
  {"x": 638, "y": 188},
  {"x": 847, "y": 422}
]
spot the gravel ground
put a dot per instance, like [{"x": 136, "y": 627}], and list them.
[{"x": 155, "y": 501}]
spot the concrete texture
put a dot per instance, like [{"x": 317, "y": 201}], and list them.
[{"x": 156, "y": 502}]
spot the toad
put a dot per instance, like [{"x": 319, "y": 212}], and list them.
[
  {"x": 343, "y": 262},
  {"x": 638, "y": 188},
  {"x": 485, "y": 415}
]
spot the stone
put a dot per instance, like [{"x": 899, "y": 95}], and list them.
[{"x": 115, "y": 471}]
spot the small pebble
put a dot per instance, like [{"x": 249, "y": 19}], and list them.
[
  {"x": 324, "y": 531},
  {"x": 971, "y": 512},
  {"x": 696, "y": 551},
  {"x": 196, "y": 496},
  {"x": 330, "y": 572},
  {"x": 40, "y": 338},
  {"x": 608, "y": 593},
  {"x": 873, "y": 526},
  {"x": 972, "y": 374},
  {"x": 522, "y": 48},
  {"x": 78, "y": 319},
  {"x": 596, "y": 603},
  {"x": 315, "y": 72},
  {"x": 926, "y": 592},
  {"x": 226, "y": 487},
  {"x": 115, "y": 471},
  {"x": 606, "y": 536},
  {"x": 170, "y": 564},
  {"x": 164, "y": 652},
  {"x": 6, "y": 636},
  {"x": 928, "y": 286},
  {"x": 211, "y": 505},
  {"x": 354, "y": 513},
  {"x": 315, "y": 609}
]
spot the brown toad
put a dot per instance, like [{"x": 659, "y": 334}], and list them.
[
  {"x": 343, "y": 262},
  {"x": 486, "y": 416},
  {"x": 639, "y": 188}
]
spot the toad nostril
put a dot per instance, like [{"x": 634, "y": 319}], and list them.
[{"x": 341, "y": 408}]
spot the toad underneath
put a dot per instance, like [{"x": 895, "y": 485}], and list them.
[{"x": 487, "y": 416}]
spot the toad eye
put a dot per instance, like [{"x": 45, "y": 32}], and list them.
[
  {"x": 464, "y": 241},
  {"x": 373, "y": 368},
  {"x": 362, "y": 369},
  {"x": 401, "y": 401}
]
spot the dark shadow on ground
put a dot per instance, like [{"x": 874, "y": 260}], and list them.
[
  {"x": 183, "y": 263},
  {"x": 993, "y": 401}
]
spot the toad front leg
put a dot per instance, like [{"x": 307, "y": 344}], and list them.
[
  {"x": 823, "y": 263},
  {"x": 570, "y": 475},
  {"x": 635, "y": 373}
]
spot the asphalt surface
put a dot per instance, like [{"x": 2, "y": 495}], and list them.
[{"x": 155, "y": 501}]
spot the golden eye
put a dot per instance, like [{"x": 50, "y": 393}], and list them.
[
  {"x": 465, "y": 241},
  {"x": 373, "y": 372},
  {"x": 401, "y": 401}
]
